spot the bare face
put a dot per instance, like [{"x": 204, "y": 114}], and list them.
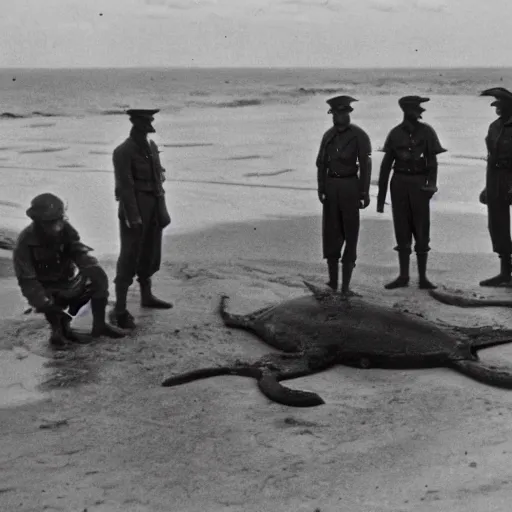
[
  {"x": 340, "y": 118},
  {"x": 413, "y": 114},
  {"x": 51, "y": 228},
  {"x": 144, "y": 124}
]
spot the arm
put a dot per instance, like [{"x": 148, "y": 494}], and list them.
[
  {"x": 79, "y": 251},
  {"x": 156, "y": 157},
  {"x": 364, "y": 155},
  {"x": 434, "y": 148},
  {"x": 125, "y": 186},
  {"x": 385, "y": 171},
  {"x": 320, "y": 165},
  {"x": 25, "y": 272}
]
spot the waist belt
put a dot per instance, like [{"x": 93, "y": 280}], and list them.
[
  {"x": 410, "y": 173},
  {"x": 504, "y": 164},
  {"x": 332, "y": 174}
]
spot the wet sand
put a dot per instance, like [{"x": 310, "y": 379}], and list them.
[{"x": 103, "y": 436}]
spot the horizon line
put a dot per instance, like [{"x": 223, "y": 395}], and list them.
[{"x": 189, "y": 68}]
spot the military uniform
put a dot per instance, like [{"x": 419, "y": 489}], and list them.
[
  {"x": 343, "y": 174},
  {"x": 55, "y": 273},
  {"x": 411, "y": 149},
  {"x": 497, "y": 194},
  {"x": 142, "y": 214}
]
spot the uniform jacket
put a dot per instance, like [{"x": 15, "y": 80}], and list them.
[
  {"x": 136, "y": 168},
  {"x": 357, "y": 148},
  {"x": 413, "y": 149}
]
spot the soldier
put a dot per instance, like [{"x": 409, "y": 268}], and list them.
[
  {"x": 55, "y": 272},
  {"x": 497, "y": 194},
  {"x": 142, "y": 215},
  {"x": 341, "y": 190},
  {"x": 411, "y": 148}
]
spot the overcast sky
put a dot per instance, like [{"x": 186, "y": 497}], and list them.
[{"x": 285, "y": 33}]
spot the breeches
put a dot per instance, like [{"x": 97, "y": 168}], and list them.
[
  {"x": 340, "y": 219},
  {"x": 141, "y": 250},
  {"x": 499, "y": 183},
  {"x": 91, "y": 283},
  {"x": 411, "y": 213}
]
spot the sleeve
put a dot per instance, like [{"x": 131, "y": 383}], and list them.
[
  {"x": 78, "y": 251},
  {"x": 25, "y": 272},
  {"x": 320, "y": 165},
  {"x": 156, "y": 153},
  {"x": 385, "y": 170},
  {"x": 434, "y": 145},
  {"x": 364, "y": 148},
  {"x": 125, "y": 185}
]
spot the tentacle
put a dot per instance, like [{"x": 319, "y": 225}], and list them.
[
  {"x": 493, "y": 375},
  {"x": 454, "y": 299},
  {"x": 205, "y": 373}
]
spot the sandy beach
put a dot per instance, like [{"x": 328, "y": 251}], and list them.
[
  {"x": 111, "y": 439},
  {"x": 92, "y": 430}
]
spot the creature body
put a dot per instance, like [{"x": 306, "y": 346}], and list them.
[{"x": 319, "y": 331}]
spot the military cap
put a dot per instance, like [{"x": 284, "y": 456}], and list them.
[
  {"x": 141, "y": 112},
  {"x": 341, "y": 103},
  {"x": 46, "y": 207},
  {"x": 500, "y": 93},
  {"x": 412, "y": 101}
]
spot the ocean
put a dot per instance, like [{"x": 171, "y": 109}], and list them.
[{"x": 238, "y": 144}]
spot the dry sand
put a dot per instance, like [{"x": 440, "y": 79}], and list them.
[{"x": 113, "y": 440}]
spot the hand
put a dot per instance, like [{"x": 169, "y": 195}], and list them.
[
  {"x": 380, "y": 208},
  {"x": 50, "y": 308},
  {"x": 321, "y": 197},
  {"x": 483, "y": 196},
  {"x": 364, "y": 202},
  {"x": 429, "y": 189},
  {"x": 137, "y": 225}
]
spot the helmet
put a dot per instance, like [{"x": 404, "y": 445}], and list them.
[{"x": 46, "y": 207}]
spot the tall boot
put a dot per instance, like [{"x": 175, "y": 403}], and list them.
[
  {"x": 503, "y": 278},
  {"x": 148, "y": 300},
  {"x": 99, "y": 326},
  {"x": 333, "y": 269},
  {"x": 57, "y": 340},
  {"x": 403, "y": 279},
  {"x": 70, "y": 334},
  {"x": 346, "y": 275},
  {"x": 120, "y": 316},
  {"x": 424, "y": 283}
]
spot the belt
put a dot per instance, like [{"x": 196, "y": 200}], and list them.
[
  {"x": 335, "y": 175},
  {"x": 504, "y": 164},
  {"x": 411, "y": 173}
]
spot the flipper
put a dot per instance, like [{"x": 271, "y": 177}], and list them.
[
  {"x": 453, "y": 299},
  {"x": 492, "y": 375},
  {"x": 268, "y": 382},
  {"x": 240, "y": 321}
]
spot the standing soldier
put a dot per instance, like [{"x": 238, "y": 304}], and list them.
[
  {"x": 142, "y": 215},
  {"x": 497, "y": 194},
  {"x": 55, "y": 272},
  {"x": 341, "y": 190},
  {"x": 411, "y": 148}
]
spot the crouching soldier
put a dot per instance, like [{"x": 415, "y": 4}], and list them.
[{"x": 55, "y": 272}]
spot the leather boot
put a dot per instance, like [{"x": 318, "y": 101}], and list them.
[
  {"x": 503, "y": 278},
  {"x": 120, "y": 316},
  {"x": 424, "y": 283},
  {"x": 70, "y": 334},
  {"x": 99, "y": 326},
  {"x": 346, "y": 276},
  {"x": 333, "y": 269},
  {"x": 403, "y": 279},
  {"x": 57, "y": 340},
  {"x": 148, "y": 300}
]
